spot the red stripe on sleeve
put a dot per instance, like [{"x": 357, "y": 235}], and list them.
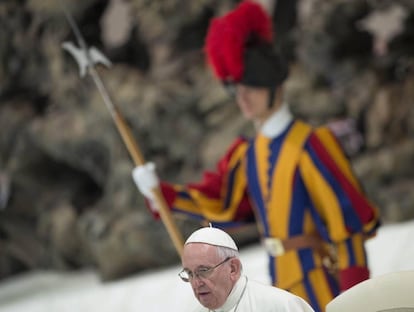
[{"x": 361, "y": 205}]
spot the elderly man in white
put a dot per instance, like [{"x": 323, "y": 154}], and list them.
[{"x": 212, "y": 266}]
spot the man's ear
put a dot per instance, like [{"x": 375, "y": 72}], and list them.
[{"x": 235, "y": 267}]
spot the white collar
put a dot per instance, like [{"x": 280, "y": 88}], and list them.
[
  {"x": 277, "y": 122},
  {"x": 235, "y": 295}
]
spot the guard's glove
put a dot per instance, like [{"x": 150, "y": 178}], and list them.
[{"x": 147, "y": 180}]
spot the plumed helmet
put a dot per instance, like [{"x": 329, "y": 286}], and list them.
[
  {"x": 239, "y": 48},
  {"x": 212, "y": 236}
]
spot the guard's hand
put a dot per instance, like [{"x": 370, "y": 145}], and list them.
[{"x": 147, "y": 180}]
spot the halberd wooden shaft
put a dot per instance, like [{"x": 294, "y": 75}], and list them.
[
  {"x": 131, "y": 144},
  {"x": 138, "y": 159}
]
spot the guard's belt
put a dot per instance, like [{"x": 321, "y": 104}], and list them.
[{"x": 278, "y": 247}]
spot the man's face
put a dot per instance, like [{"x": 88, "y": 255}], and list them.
[
  {"x": 253, "y": 102},
  {"x": 212, "y": 291}
]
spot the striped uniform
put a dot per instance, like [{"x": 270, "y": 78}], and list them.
[{"x": 297, "y": 183}]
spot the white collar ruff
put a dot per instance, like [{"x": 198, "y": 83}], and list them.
[{"x": 277, "y": 122}]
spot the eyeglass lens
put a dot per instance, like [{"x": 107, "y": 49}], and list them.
[{"x": 203, "y": 272}]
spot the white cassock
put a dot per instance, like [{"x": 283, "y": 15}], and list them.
[{"x": 249, "y": 296}]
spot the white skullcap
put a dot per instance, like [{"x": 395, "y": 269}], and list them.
[{"x": 212, "y": 236}]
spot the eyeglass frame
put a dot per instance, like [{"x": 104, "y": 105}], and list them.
[{"x": 197, "y": 274}]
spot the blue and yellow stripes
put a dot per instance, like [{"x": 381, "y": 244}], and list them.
[{"x": 297, "y": 183}]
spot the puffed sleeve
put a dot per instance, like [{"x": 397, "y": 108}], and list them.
[
  {"x": 220, "y": 196},
  {"x": 348, "y": 217}
]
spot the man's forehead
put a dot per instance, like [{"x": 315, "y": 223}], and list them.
[
  {"x": 200, "y": 248},
  {"x": 199, "y": 253}
]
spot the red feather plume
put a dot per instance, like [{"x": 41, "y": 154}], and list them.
[{"x": 228, "y": 37}]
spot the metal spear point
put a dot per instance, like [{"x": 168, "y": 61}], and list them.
[{"x": 86, "y": 59}]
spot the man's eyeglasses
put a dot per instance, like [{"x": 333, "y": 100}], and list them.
[{"x": 203, "y": 272}]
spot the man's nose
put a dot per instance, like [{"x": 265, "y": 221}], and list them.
[{"x": 197, "y": 281}]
